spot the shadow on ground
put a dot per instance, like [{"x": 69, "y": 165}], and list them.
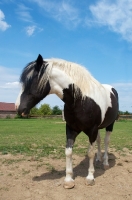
[{"x": 79, "y": 170}]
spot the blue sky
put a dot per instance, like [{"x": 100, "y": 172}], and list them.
[{"x": 93, "y": 33}]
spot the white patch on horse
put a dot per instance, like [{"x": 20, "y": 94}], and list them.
[
  {"x": 69, "y": 169},
  {"x": 17, "y": 103},
  {"x": 58, "y": 81}
]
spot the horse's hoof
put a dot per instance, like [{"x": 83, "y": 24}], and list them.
[
  {"x": 69, "y": 184},
  {"x": 98, "y": 160},
  {"x": 98, "y": 164},
  {"x": 89, "y": 182},
  {"x": 106, "y": 167}
]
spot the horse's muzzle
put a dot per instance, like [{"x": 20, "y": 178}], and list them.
[{"x": 23, "y": 112}]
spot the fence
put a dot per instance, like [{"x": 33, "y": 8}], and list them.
[
  {"x": 125, "y": 116},
  {"x": 13, "y": 114},
  {"x": 7, "y": 114},
  {"x": 49, "y": 116}
]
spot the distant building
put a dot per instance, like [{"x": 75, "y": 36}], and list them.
[{"x": 7, "y": 110}]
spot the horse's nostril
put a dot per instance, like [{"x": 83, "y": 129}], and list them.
[{"x": 23, "y": 115}]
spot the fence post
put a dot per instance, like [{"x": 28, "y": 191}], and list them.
[{"x": 63, "y": 118}]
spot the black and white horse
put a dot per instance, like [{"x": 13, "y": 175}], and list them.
[{"x": 88, "y": 105}]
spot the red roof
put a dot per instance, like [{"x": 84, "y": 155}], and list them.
[{"x": 7, "y": 106}]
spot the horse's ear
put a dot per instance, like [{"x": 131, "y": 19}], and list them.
[{"x": 39, "y": 62}]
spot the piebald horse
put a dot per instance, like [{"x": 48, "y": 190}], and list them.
[{"x": 88, "y": 105}]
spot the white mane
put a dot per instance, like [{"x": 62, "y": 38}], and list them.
[{"x": 80, "y": 76}]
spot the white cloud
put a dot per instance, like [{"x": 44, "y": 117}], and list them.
[
  {"x": 3, "y": 23},
  {"x": 24, "y": 13},
  {"x": 61, "y": 11},
  {"x": 117, "y": 15},
  {"x": 125, "y": 95},
  {"x": 9, "y": 85},
  {"x": 68, "y": 13},
  {"x": 7, "y": 74},
  {"x": 30, "y": 30}
]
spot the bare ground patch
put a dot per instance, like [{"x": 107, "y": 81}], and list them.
[{"x": 26, "y": 178}]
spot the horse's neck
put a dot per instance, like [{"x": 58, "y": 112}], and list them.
[{"x": 68, "y": 89}]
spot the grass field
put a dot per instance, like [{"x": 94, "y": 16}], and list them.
[{"x": 44, "y": 137}]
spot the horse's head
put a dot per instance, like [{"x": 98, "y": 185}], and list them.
[{"x": 35, "y": 86}]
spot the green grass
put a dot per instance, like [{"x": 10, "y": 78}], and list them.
[
  {"x": 44, "y": 137},
  {"x": 122, "y": 135}
]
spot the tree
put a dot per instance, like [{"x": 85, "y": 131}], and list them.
[
  {"x": 120, "y": 112},
  {"x": 45, "y": 109},
  {"x": 34, "y": 111},
  {"x": 56, "y": 110},
  {"x": 126, "y": 113}
]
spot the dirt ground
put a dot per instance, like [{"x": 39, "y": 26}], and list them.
[{"x": 24, "y": 178}]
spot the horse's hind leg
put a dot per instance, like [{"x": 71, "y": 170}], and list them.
[
  {"x": 106, "y": 142},
  {"x": 91, "y": 153},
  {"x": 99, "y": 155},
  {"x": 71, "y": 136},
  {"x": 92, "y": 134}
]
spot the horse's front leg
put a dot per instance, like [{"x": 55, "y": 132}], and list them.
[
  {"x": 69, "y": 182},
  {"x": 71, "y": 136}
]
